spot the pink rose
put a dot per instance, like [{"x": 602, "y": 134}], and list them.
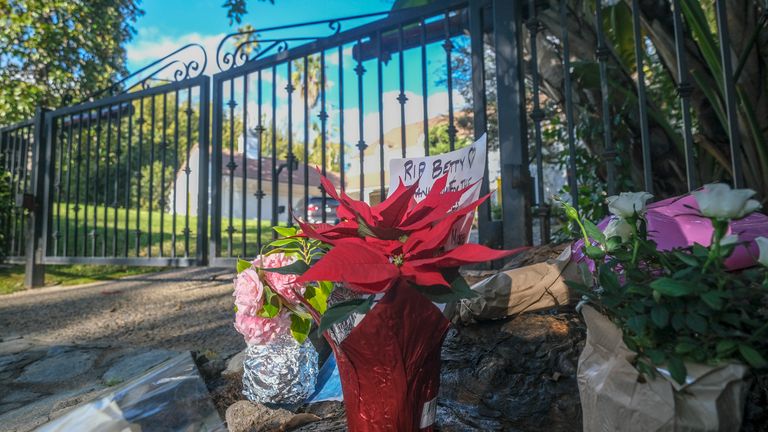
[
  {"x": 284, "y": 285},
  {"x": 258, "y": 330},
  {"x": 249, "y": 292}
]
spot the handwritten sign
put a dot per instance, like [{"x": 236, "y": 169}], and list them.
[{"x": 464, "y": 167}]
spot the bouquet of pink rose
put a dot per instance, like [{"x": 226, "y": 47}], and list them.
[
  {"x": 279, "y": 366},
  {"x": 394, "y": 256}
]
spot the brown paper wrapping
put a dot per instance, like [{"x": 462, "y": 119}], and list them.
[
  {"x": 525, "y": 289},
  {"x": 612, "y": 399}
]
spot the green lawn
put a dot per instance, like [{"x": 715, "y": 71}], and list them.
[
  {"x": 118, "y": 237},
  {"x": 12, "y": 277}
]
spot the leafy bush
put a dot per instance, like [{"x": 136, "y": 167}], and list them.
[
  {"x": 676, "y": 306},
  {"x": 6, "y": 207}
]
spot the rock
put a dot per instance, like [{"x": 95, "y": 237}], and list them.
[
  {"x": 299, "y": 420},
  {"x": 22, "y": 396},
  {"x": 499, "y": 375},
  {"x": 64, "y": 365},
  {"x": 246, "y": 416},
  {"x": 209, "y": 364},
  {"x": 235, "y": 364},
  {"x": 326, "y": 409},
  {"x": 87, "y": 394},
  {"x": 135, "y": 364}
]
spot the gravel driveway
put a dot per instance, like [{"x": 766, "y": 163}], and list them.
[{"x": 179, "y": 309}]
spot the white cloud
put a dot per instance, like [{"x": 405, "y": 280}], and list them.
[
  {"x": 150, "y": 46},
  {"x": 332, "y": 58},
  {"x": 437, "y": 105}
]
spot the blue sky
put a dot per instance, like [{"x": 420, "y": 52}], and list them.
[{"x": 172, "y": 23}]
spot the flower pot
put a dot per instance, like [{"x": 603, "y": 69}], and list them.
[
  {"x": 280, "y": 373},
  {"x": 614, "y": 398},
  {"x": 389, "y": 364}
]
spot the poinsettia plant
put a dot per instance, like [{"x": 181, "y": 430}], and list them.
[
  {"x": 369, "y": 251},
  {"x": 681, "y": 305},
  {"x": 397, "y": 241}
]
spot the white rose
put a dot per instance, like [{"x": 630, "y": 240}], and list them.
[
  {"x": 618, "y": 227},
  {"x": 762, "y": 244},
  {"x": 626, "y": 204},
  {"x": 719, "y": 201}
]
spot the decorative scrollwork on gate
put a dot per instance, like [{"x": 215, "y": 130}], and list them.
[
  {"x": 188, "y": 61},
  {"x": 239, "y": 48}
]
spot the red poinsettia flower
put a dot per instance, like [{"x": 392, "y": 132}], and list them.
[
  {"x": 397, "y": 216},
  {"x": 372, "y": 265},
  {"x": 373, "y": 247}
]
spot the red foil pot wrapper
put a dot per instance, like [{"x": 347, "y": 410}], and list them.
[{"x": 390, "y": 364}]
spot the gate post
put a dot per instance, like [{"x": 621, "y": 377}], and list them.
[
  {"x": 34, "y": 271},
  {"x": 203, "y": 184},
  {"x": 214, "y": 246},
  {"x": 513, "y": 137},
  {"x": 489, "y": 229}
]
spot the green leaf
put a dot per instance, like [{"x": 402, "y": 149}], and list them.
[
  {"x": 752, "y": 357},
  {"x": 594, "y": 252},
  {"x": 686, "y": 259},
  {"x": 677, "y": 369},
  {"x": 272, "y": 304},
  {"x": 671, "y": 287},
  {"x": 298, "y": 267},
  {"x": 283, "y": 242},
  {"x": 732, "y": 319},
  {"x": 684, "y": 273},
  {"x": 608, "y": 279},
  {"x": 317, "y": 297},
  {"x": 594, "y": 232},
  {"x": 656, "y": 356},
  {"x": 363, "y": 229},
  {"x": 637, "y": 323},
  {"x": 713, "y": 300},
  {"x": 612, "y": 243},
  {"x": 656, "y": 296},
  {"x": 285, "y": 231},
  {"x": 325, "y": 287},
  {"x": 699, "y": 250},
  {"x": 458, "y": 290},
  {"x": 300, "y": 327},
  {"x": 341, "y": 311},
  {"x": 696, "y": 323},
  {"x": 727, "y": 346},
  {"x": 660, "y": 316},
  {"x": 678, "y": 322},
  {"x": 460, "y": 286},
  {"x": 685, "y": 347},
  {"x": 243, "y": 265}
]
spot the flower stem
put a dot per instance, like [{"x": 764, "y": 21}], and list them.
[
  {"x": 720, "y": 227},
  {"x": 635, "y": 240}
]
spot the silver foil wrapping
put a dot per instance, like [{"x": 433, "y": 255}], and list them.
[
  {"x": 281, "y": 373},
  {"x": 342, "y": 329}
]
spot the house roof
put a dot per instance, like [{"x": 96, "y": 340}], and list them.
[
  {"x": 414, "y": 133},
  {"x": 252, "y": 171}
]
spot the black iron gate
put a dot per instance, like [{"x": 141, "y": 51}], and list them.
[
  {"x": 121, "y": 175},
  {"x": 17, "y": 145},
  {"x": 124, "y": 179},
  {"x": 345, "y": 104}
]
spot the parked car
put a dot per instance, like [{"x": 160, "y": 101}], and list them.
[{"x": 315, "y": 209}]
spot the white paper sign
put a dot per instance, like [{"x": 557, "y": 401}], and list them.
[{"x": 464, "y": 167}]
